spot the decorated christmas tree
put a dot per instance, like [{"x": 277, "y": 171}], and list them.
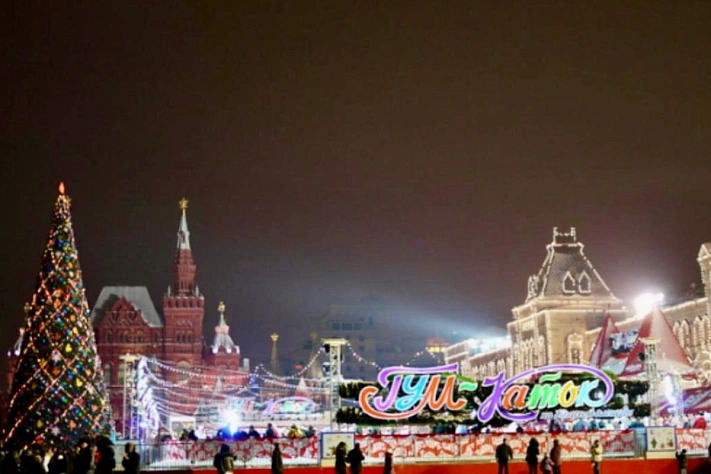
[{"x": 58, "y": 394}]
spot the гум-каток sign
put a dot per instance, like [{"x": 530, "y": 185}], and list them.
[{"x": 411, "y": 390}]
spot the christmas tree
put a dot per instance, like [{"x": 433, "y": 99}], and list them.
[{"x": 58, "y": 394}]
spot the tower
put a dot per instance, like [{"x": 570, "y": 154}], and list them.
[
  {"x": 224, "y": 352},
  {"x": 183, "y": 305},
  {"x": 274, "y": 362}
]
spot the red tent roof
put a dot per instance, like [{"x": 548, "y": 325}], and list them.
[
  {"x": 603, "y": 346},
  {"x": 670, "y": 355}
]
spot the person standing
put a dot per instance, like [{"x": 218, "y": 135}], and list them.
[
  {"x": 556, "y": 456},
  {"x": 532, "y": 452},
  {"x": 596, "y": 456},
  {"x": 277, "y": 461},
  {"x": 504, "y": 454},
  {"x": 681, "y": 460},
  {"x": 341, "y": 458},
  {"x": 388, "y": 468},
  {"x": 84, "y": 458},
  {"x": 107, "y": 458},
  {"x": 355, "y": 459},
  {"x": 223, "y": 461},
  {"x": 131, "y": 461}
]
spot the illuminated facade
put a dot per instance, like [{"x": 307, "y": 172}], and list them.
[{"x": 562, "y": 316}]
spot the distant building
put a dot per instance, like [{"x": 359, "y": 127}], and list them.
[
  {"x": 568, "y": 305},
  {"x": 374, "y": 336}
]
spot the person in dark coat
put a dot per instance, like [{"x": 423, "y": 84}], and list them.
[
  {"x": 84, "y": 458},
  {"x": 107, "y": 457},
  {"x": 224, "y": 462},
  {"x": 355, "y": 459},
  {"x": 277, "y": 461},
  {"x": 341, "y": 458},
  {"x": 532, "y": 452},
  {"x": 388, "y": 467},
  {"x": 556, "y": 456},
  {"x": 131, "y": 461},
  {"x": 504, "y": 454}
]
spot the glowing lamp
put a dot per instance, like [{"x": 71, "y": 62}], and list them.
[{"x": 644, "y": 303}]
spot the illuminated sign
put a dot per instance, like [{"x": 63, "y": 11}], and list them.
[
  {"x": 290, "y": 405},
  {"x": 411, "y": 390}
]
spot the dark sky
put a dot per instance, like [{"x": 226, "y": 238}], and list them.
[{"x": 419, "y": 151}]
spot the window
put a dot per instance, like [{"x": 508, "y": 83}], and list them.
[
  {"x": 107, "y": 374},
  {"x": 122, "y": 373},
  {"x": 336, "y": 326},
  {"x": 347, "y": 326},
  {"x": 357, "y": 326}
]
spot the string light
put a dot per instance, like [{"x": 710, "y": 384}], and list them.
[{"x": 58, "y": 394}]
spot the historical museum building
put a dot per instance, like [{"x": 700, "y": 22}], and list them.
[
  {"x": 127, "y": 324},
  {"x": 570, "y": 315}
]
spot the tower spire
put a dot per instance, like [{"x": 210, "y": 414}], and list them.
[
  {"x": 183, "y": 232},
  {"x": 184, "y": 268},
  {"x": 222, "y": 334},
  {"x": 274, "y": 363}
]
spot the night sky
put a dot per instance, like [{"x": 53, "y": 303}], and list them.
[{"x": 420, "y": 151}]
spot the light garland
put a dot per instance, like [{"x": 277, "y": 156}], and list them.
[
  {"x": 58, "y": 394},
  {"x": 298, "y": 374}
]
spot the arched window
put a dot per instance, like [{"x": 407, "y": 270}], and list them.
[
  {"x": 122, "y": 373},
  {"x": 584, "y": 284},
  {"x": 109, "y": 337},
  {"x": 569, "y": 284},
  {"x": 107, "y": 375}
]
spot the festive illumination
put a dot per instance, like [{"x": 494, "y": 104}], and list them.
[
  {"x": 644, "y": 303},
  {"x": 412, "y": 390},
  {"x": 58, "y": 393}
]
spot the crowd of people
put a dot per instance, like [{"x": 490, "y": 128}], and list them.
[{"x": 89, "y": 456}]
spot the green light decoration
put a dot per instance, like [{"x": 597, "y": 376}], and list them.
[{"x": 58, "y": 394}]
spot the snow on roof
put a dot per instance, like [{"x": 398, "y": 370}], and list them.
[{"x": 138, "y": 296}]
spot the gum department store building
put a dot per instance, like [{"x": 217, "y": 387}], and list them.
[{"x": 571, "y": 316}]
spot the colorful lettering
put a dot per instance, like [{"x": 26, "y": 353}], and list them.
[{"x": 412, "y": 390}]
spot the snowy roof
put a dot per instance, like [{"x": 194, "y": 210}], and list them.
[
  {"x": 566, "y": 272},
  {"x": 138, "y": 296},
  {"x": 671, "y": 357}
]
